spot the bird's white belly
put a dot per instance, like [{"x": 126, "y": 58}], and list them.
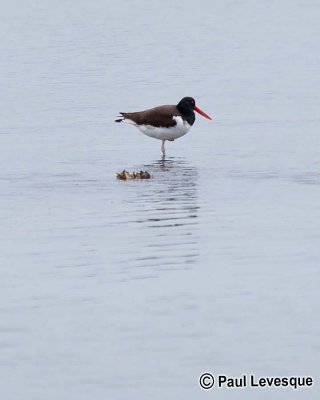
[{"x": 162, "y": 133}]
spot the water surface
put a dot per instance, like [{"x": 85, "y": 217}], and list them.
[{"x": 113, "y": 289}]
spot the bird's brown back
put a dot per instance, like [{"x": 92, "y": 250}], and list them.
[{"x": 157, "y": 116}]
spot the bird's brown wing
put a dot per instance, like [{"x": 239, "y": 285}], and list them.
[{"x": 158, "y": 116}]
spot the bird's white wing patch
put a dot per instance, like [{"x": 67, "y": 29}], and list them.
[{"x": 129, "y": 121}]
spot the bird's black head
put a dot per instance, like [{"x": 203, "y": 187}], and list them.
[{"x": 186, "y": 105}]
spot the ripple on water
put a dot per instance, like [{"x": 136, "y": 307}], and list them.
[{"x": 162, "y": 217}]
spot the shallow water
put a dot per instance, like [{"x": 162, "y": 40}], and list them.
[{"x": 113, "y": 289}]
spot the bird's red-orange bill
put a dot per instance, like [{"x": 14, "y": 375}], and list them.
[{"x": 201, "y": 112}]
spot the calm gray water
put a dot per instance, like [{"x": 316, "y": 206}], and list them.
[{"x": 130, "y": 290}]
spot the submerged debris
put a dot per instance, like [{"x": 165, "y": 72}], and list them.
[{"x": 125, "y": 175}]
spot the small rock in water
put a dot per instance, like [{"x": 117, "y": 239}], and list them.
[{"x": 125, "y": 175}]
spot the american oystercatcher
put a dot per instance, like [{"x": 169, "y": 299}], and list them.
[{"x": 165, "y": 122}]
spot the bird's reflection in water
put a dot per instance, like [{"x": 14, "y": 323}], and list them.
[
  {"x": 173, "y": 196},
  {"x": 166, "y": 213}
]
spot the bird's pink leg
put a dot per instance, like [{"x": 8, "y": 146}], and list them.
[{"x": 163, "y": 148}]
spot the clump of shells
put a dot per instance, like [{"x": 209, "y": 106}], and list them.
[{"x": 125, "y": 175}]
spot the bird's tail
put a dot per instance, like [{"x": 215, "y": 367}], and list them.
[
  {"x": 125, "y": 117},
  {"x": 120, "y": 118}
]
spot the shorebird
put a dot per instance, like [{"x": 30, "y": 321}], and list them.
[{"x": 167, "y": 122}]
